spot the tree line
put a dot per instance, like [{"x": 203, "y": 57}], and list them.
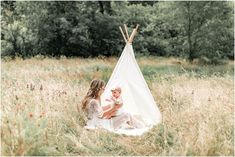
[{"x": 189, "y": 29}]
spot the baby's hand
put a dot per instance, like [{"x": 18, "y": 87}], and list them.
[{"x": 118, "y": 102}]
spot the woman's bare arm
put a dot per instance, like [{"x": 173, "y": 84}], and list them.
[{"x": 111, "y": 112}]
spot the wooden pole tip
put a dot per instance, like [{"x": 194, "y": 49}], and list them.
[{"x": 137, "y": 26}]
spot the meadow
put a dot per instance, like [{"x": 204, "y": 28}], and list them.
[{"x": 39, "y": 116}]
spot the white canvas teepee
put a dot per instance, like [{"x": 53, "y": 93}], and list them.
[{"x": 137, "y": 98}]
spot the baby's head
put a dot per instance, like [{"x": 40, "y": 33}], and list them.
[{"x": 116, "y": 92}]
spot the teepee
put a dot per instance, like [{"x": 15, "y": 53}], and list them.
[{"x": 137, "y": 98}]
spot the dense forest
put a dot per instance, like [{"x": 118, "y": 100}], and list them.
[{"x": 190, "y": 29}]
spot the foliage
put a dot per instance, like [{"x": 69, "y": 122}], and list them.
[{"x": 193, "y": 30}]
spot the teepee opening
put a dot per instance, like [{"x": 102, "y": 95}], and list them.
[{"x": 137, "y": 98}]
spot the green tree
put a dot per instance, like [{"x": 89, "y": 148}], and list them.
[
  {"x": 203, "y": 22},
  {"x": 187, "y": 29},
  {"x": 193, "y": 29},
  {"x": 60, "y": 27}
]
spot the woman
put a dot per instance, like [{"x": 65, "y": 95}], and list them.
[{"x": 95, "y": 113}]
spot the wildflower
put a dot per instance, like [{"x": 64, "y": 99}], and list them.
[
  {"x": 42, "y": 114},
  {"x": 30, "y": 114},
  {"x": 41, "y": 87}
]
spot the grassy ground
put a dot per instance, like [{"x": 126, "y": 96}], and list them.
[{"x": 39, "y": 115}]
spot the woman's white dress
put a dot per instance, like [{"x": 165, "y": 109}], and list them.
[
  {"x": 94, "y": 114},
  {"x": 115, "y": 124}
]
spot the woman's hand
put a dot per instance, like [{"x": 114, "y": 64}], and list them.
[{"x": 111, "y": 112}]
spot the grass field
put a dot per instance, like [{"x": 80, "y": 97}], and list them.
[{"x": 39, "y": 115}]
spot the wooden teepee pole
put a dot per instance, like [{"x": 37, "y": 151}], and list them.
[
  {"x": 133, "y": 33},
  {"x": 123, "y": 35},
  {"x": 127, "y": 35}
]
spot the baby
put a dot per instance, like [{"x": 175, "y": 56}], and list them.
[{"x": 115, "y": 101}]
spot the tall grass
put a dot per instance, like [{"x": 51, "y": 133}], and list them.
[{"x": 39, "y": 108}]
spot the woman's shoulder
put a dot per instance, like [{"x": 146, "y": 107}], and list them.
[{"x": 94, "y": 101}]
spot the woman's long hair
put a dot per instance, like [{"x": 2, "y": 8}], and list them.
[{"x": 93, "y": 91}]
